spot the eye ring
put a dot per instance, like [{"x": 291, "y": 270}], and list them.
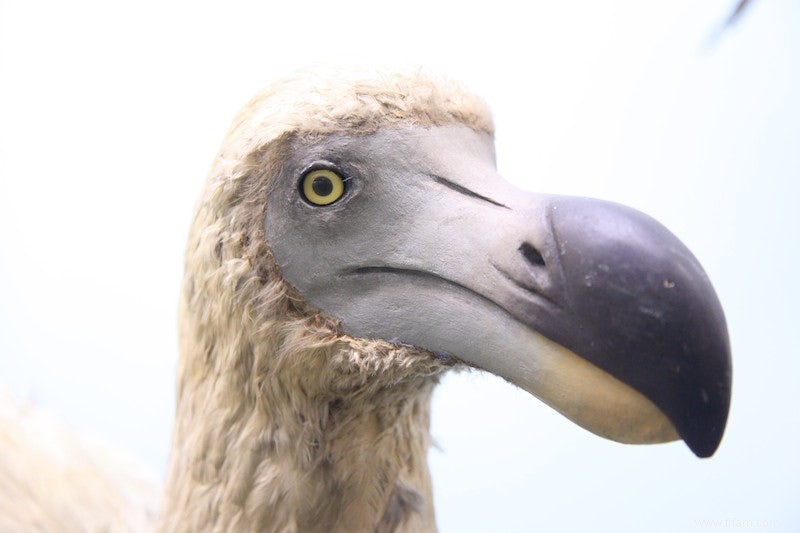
[{"x": 322, "y": 186}]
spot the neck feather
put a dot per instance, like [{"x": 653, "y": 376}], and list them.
[{"x": 300, "y": 430}]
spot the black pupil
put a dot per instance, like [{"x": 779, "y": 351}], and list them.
[{"x": 322, "y": 185}]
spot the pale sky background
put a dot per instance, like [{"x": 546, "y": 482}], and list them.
[{"x": 111, "y": 112}]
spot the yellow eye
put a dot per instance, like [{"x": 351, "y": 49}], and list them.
[{"x": 322, "y": 186}]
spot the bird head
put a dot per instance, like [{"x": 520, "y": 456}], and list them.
[{"x": 375, "y": 205}]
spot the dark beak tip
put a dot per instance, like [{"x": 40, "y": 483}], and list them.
[
  {"x": 704, "y": 450},
  {"x": 704, "y": 439},
  {"x": 705, "y": 409},
  {"x": 702, "y": 427}
]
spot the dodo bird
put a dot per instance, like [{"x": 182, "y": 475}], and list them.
[{"x": 354, "y": 242}]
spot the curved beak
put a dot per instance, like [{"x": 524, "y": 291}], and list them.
[{"x": 632, "y": 300}]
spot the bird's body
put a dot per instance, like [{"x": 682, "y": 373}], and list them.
[
  {"x": 54, "y": 480},
  {"x": 354, "y": 242}
]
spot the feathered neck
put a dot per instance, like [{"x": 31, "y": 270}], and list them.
[{"x": 305, "y": 431}]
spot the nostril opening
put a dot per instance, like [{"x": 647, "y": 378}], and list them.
[{"x": 531, "y": 254}]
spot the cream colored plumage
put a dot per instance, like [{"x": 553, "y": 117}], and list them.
[{"x": 285, "y": 423}]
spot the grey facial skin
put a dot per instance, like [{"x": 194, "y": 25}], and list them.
[{"x": 592, "y": 307}]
